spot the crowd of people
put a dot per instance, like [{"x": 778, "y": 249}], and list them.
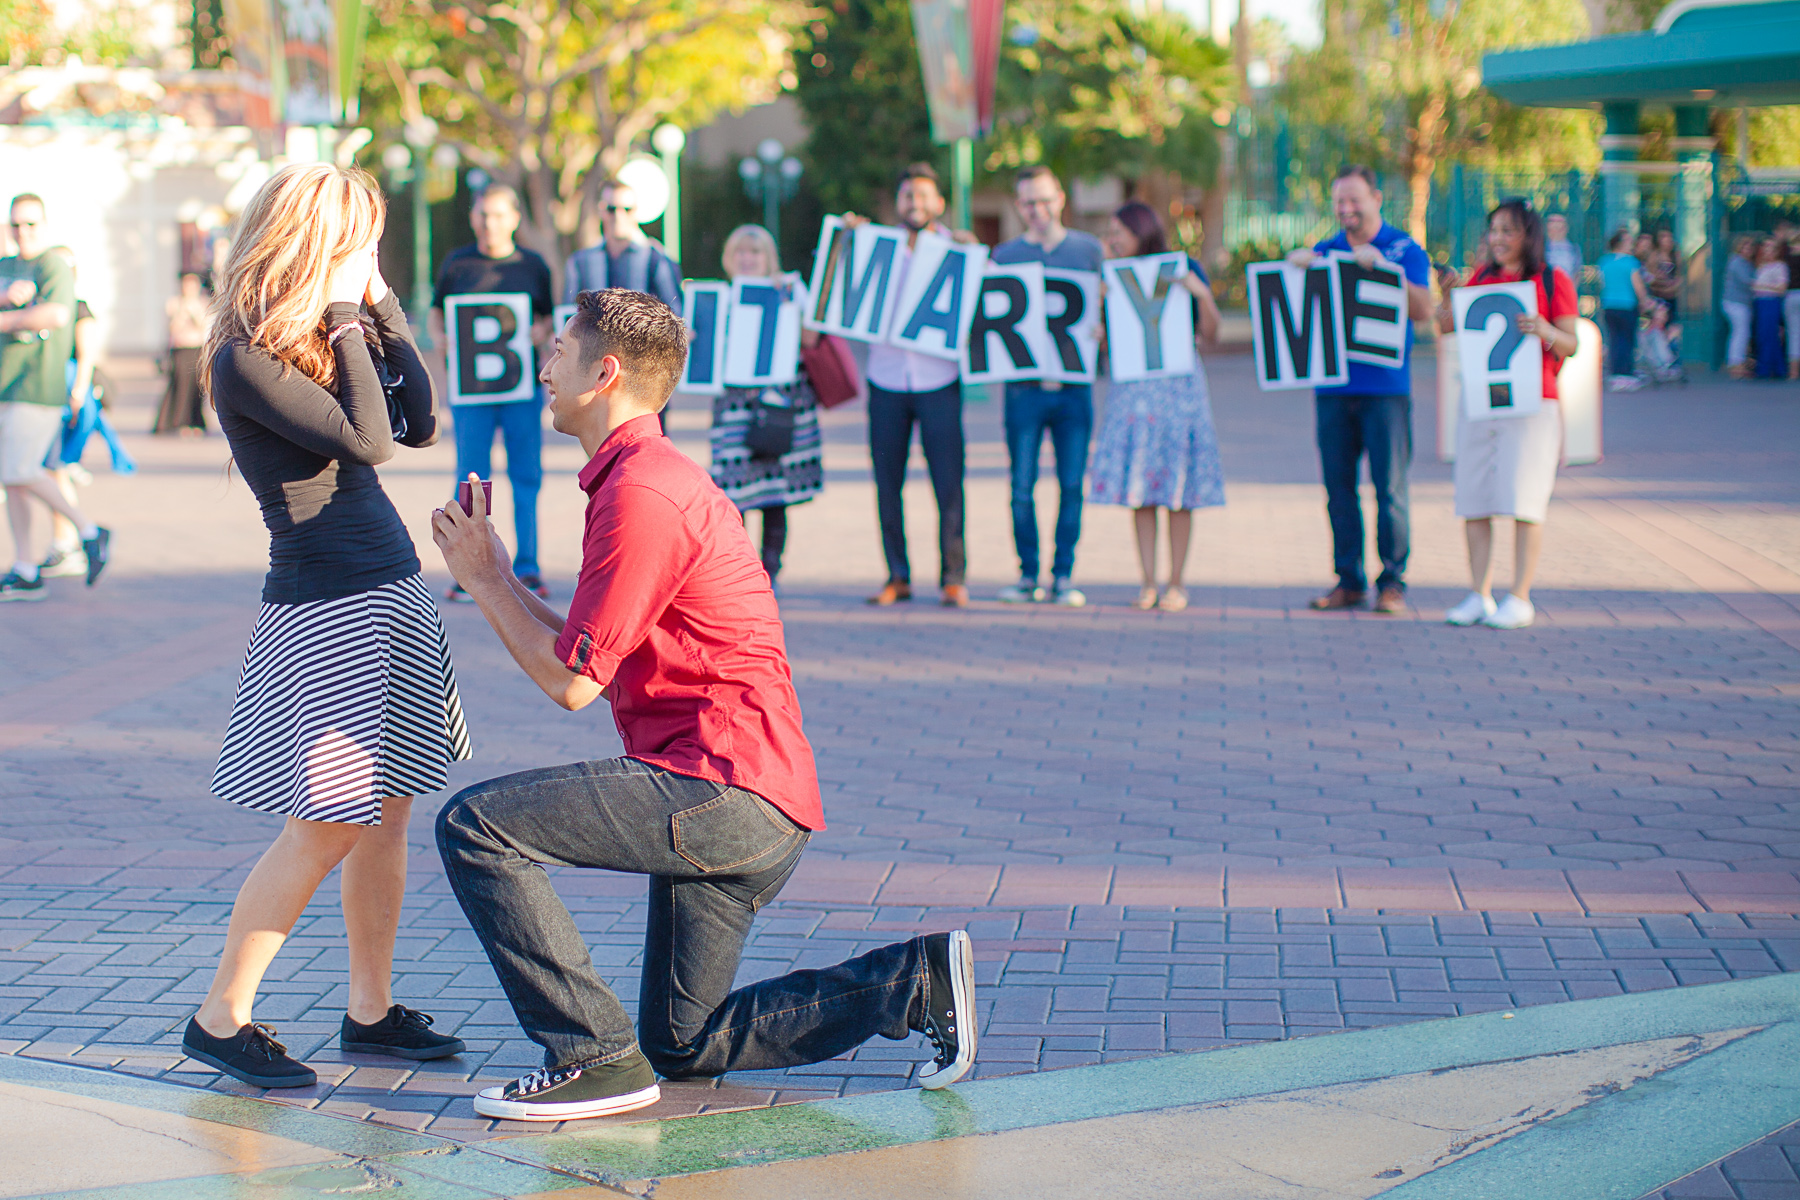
[{"x": 1762, "y": 304}]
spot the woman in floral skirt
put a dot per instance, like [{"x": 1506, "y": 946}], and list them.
[
  {"x": 1157, "y": 448},
  {"x": 767, "y": 482}
]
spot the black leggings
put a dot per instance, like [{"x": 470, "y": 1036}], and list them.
[{"x": 774, "y": 535}]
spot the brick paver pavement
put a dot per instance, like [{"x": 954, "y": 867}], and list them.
[{"x": 1166, "y": 832}]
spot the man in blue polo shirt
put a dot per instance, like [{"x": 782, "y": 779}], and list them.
[{"x": 1372, "y": 414}]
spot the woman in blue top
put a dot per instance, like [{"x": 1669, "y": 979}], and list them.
[
  {"x": 1157, "y": 448},
  {"x": 1623, "y": 294}
]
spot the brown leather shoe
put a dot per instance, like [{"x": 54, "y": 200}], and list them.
[
  {"x": 1391, "y": 600},
  {"x": 892, "y": 593},
  {"x": 955, "y": 596},
  {"x": 1337, "y": 597}
]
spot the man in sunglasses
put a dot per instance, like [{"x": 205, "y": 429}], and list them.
[
  {"x": 625, "y": 257},
  {"x": 37, "y": 337}
]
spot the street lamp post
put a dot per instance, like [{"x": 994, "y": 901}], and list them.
[
  {"x": 773, "y": 179},
  {"x": 668, "y": 141},
  {"x": 420, "y": 135}
]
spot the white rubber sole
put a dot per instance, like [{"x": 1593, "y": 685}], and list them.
[
  {"x": 490, "y": 1102},
  {"x": 962, "y": 1003}
]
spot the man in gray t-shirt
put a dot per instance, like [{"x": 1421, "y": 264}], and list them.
[{"x": 1037, "y": 406}]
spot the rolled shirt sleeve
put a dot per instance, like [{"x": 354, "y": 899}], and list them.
[{"x": 640, "y": 552}]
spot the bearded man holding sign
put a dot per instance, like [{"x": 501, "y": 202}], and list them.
[
  {"x": 1372, "y": 413},
  {"x": 1507, "y": 452}
]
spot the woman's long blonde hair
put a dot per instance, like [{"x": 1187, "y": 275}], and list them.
[{"x": 304, "y": 223}]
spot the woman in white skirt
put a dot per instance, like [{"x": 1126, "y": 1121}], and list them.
[
  {"x": 1157, "y": 448},
  {"x": 769, "y": 481},
  {"x": 347, "y": 705},
  {"x": 1506, "y": 467}
]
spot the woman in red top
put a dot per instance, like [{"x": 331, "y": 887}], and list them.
[{"x": 1507, "y": 467}]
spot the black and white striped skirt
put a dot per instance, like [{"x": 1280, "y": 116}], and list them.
[{"x": 342, "y": 703}]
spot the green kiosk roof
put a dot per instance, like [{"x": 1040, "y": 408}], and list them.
[{"x": 1746, "y": 52}]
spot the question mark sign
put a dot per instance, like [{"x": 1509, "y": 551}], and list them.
[{"x": 1483, "y": 310}]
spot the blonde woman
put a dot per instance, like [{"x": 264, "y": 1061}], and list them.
[
  {"x": 757, "y": 472},
  {"x": 347, "y": 706}
]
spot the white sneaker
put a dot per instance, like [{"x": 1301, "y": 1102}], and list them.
[
  {"x": 1474, "y": 607},
  {"x": 1026, "y": 591},
  {"x": 1065, "y": 595},
  {"x": 1513, "y": 613}
]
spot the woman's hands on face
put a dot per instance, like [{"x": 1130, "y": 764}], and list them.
[
  {"x": 378, "y": 288},
  {"x": 350, "y": 279}
]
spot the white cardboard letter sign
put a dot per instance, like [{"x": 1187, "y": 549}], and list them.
[
  {"x": 853, "y": 280},
  {"x": 762, "y": 341},
  {"x": 489, "y": 357},
  {"x": 937, "y": 301},
  {"x": 1374, "y": 311},
  {"x": 1008, "y": 338},
  {"x": 1502, "y": 369},
  {"x": 703, "y": 307},
  {"x": 1149, "y": 319},
  {"x": 1072, "y": 320},
  {"x": 1296, "y": 336}
]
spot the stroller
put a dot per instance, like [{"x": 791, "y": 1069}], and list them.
[{"x": 1659, "y": 349}]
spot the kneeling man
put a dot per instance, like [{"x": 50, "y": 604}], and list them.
[{"x": 674, "y": 623}]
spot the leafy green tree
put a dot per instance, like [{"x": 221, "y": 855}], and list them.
[
  {"x": 550, "y": 96},
  {"x": 1398, "y": 82},
  {"x": 864, "y": 98},
  {"x": 1093, "y": 87}
]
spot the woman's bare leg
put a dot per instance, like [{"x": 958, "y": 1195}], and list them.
[
  {"x": 374, "y": 884},
  {"x": 1181, "y": 531},
  {"x": 1480, "y": 535},
  {"x": 271, "y": 900},
  {"x": 1528, "y": 542},
  {"x": 1144, "y": 520}
]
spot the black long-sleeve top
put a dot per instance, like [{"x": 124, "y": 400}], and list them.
[{"x": 310, "y": 456}]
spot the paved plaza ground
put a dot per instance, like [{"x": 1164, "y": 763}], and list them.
[{"x": 1166, "y": 832}]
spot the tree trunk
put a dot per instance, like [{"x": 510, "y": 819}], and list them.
[{"x": 1426, "y": 138}]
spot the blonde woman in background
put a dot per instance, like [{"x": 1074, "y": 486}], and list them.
[
  {"x": 770, "y": 478},
  {"x": 347, "y": 707}
]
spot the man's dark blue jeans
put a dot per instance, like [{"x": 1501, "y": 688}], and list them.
[
  {"x": 714, "y": 855},
  {"x": 1068, "y": 415},
  {"x": 1381, "y": 427}
]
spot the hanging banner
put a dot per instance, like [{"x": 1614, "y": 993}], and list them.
[
  {"x": 1149, "y": 320},
  {"x": 1072, "y": 320},
  {"x": 1296, "y": 330},
  {"x": 762, "y": 339},
  {"x": 703, "y": 307},
  {"x": 1373, "y": 311},
  {"x": 1502, "y": 368},
  {"x": 1009, "y": 338},
  {"x": 947, "y": 61},
  {"x": 250, "y": 26},
  {"x": 937, "y": 299},
  {"x": 309, "y": 62},
  {"x": 489, "y": 359},
  {"x": 853, "y": 280}
]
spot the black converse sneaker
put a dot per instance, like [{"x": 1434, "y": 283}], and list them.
[
  {"x": 251, "y": 1054},
  {"x": 570, "y": 1093},
  {"x": 949, "y": 1007},
  {"x": 403, "y": 1033}
]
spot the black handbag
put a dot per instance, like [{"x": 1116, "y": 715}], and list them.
[{"x": 771, "y": 430}]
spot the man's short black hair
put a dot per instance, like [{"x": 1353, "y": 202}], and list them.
[
  {"x": 642, "y": 332},
  {"x": 919, "y": 170},
  {"x": 1360, "y": 172},
  {"x": 1035, "y": 171}
]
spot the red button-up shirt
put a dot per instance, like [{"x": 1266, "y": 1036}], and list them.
[{"x": 673, "y": 615}]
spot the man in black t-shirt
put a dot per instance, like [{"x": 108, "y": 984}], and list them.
[{"x": 492, "y": 371}]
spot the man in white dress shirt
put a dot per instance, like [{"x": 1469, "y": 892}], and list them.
[{"x": 907, "y": 388}]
